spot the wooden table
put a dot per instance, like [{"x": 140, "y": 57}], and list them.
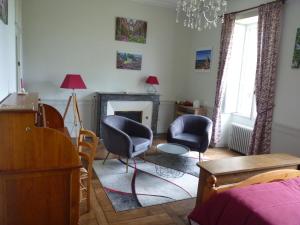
[{"x": 236, "y": 169}]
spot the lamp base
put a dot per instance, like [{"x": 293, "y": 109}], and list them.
[
  {"x": 151, "y": 89},
  {"x": 76, "y": 114}
]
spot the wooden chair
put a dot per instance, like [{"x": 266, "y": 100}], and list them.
[{"x": 87, "y": 145}]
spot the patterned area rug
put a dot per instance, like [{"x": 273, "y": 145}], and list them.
[{"x": 161, "y": 179}]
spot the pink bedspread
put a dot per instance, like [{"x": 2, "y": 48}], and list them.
[{"x": 276, "y": 203}]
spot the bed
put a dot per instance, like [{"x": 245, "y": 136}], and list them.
[{"x": 271, "y": 198}]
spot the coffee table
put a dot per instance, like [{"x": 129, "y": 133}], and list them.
[{"x": 173, "y": 149}]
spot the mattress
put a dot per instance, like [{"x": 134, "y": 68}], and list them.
[{"x": 276, "y": 203}]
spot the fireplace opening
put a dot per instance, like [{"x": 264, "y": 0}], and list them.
[{"x": 134, "y": 115}]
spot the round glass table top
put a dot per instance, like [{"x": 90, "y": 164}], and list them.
[{"x": 172, "y": 148}]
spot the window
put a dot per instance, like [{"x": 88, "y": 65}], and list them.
[{"x": 240, "y": 69}]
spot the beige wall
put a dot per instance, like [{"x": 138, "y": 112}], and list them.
[
  {"x": 63, "y": 36},
  {"x": 7, "y": 53},
  {"x": 75, "y": 36},
  {"x": 286, "y": 129}
]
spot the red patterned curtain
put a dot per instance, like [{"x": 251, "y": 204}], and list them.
[
  {"x": 226, "y": 37},
  {"x": 267, "y": 59}
]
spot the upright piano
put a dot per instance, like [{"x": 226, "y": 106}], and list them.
[{"x": 39, "y": 168}]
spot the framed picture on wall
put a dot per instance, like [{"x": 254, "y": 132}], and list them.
[
  {"x": 4, "y": 11},
  {"x": 296, "y": 56},
  {"x": 129, "y": 61},
  {"x": 131, "y": 30},
  {"x": 203, "y": 60}
]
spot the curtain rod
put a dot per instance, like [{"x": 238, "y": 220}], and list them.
[{"x": 255, "y": 7}]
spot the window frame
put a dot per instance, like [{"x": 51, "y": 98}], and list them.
[{"x": 252, "y": 113}]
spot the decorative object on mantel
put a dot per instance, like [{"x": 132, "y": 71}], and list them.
[
  {"x": 201, "y": 14},
  {"x": 129, "y": 61},
  {"x": 4, "y": 11},
  {"x": 131, "y": 30},
  {"x": 73, "y": 81},
  {"x": 152, "y": 80},
  {"x": 296, "y": 57},
  {"x": 187, "y": 107},
  {"x": 203, "y": 60}
]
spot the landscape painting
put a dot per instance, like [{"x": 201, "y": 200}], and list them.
[
  {"x": 131, "y": 30},
  {"x": 296, "y": 57},
  {"x": 129, "y": 61},
  {"x": 4, "y": 11},
  {"x": 203, "y": 60}
]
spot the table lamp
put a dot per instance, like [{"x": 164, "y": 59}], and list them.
[
  {"x": 152, "y": 80},
  {"x": 73, "y": 81}
]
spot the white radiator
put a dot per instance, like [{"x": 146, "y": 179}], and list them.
[{"x": 239, "y": 138}]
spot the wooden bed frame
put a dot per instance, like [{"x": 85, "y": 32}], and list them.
[{"x": 267, "y": 177}]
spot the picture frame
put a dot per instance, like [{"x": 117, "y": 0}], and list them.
[
  {"x": 4, "y": 11},
  {"x": 131, "y": 30},
  {"x": 296, "y": 55},
  {"x": 129, "y": 61},
  {"x": 203, "y": 59}
]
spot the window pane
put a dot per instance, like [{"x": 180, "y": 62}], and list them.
[
  {"x": 233, "y": 69},
  {"x": 240, "y": 69},
  {"x": 248, "y": 71}
]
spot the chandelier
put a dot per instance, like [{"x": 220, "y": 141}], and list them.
[{"x": 201, "y": 14}]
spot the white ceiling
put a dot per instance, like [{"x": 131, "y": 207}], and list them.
[{"x": 163, "y": 3}]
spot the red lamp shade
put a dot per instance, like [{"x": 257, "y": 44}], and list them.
[
  {"x": 152, "y": 80},
  {"x": 73, "y": 81}
]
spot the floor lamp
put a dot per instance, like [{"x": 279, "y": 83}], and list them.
[{"x": 73, "y": 81}]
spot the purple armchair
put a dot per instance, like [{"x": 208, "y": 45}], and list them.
[
  {"x": 192, "y": 131},
  {"x": 125, "y": 137}
]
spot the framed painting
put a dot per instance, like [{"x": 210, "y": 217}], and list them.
[
  {"x": 203, "y": 60},
  {"x": 296, "y": 56},
  {"x": 129, "y": 61},
  {"x": 131, "y": 30},
  {"x": 4, "y": 11}
]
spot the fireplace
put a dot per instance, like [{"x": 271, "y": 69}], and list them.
[
  {"x": 134, "y": 115},
  {"x": 141, "y": 107}
]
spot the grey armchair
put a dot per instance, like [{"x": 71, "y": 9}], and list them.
[
  {"x": 192, "y": 131},
  {"x": 125, "y": 137}
]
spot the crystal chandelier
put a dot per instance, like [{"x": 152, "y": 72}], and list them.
[{"x": 201, "y": 14}]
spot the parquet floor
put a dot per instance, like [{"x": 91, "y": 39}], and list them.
[{"x": 102, "y": 212}]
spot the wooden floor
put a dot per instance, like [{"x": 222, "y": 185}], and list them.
[{"x": 102, "y": 212}]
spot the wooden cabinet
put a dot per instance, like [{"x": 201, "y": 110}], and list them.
[
  {"x": 39, "y": 168},
  {"x": 181, "y": 110}
]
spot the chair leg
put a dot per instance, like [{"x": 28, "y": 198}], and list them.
[
  {"x": 106, "y": 157},
  {"x": 89, "y": 193},
  {"x": 200, "y": 157},
  {"x": 127, "y": 165}
]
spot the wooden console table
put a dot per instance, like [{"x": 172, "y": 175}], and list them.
[
  {"x": 236, "y": 169},
  {"x": 182, "y": 109}
]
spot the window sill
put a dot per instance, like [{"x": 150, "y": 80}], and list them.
[{"x": 243, "y": 120}]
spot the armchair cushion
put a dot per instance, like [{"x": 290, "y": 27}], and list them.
[
  {"x": 139, "y": 144},
  {"x": 187, "y": 139}
]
